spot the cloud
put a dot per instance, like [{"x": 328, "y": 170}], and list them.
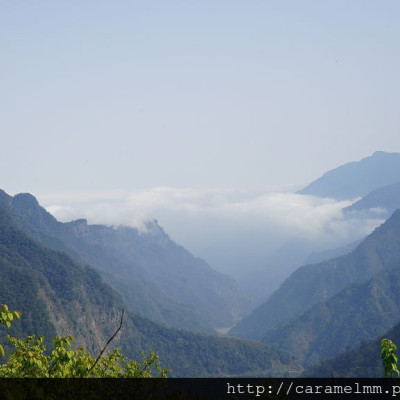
[
  {"x": 257, "y": 236},
  {"x": 199, "y": 218}
]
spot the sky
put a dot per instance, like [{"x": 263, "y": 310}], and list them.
[
  {"x": 114, "y": 95},
  {"x": 195, "y": 112}
]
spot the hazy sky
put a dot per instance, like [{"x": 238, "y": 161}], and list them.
[{"x": 105, "y": 95}]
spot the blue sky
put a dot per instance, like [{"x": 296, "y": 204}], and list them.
[{"x": 101, "y": 95}]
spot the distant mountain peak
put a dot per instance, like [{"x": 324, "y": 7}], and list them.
[
  {"x": 4, "y": 198},
  {"x": 380, "y": 153},
  {"x": 25, "y": 200},
  {"x": 154, "y": 228},
  {"x": 80, "y": 221},
  {"x": 79, "y": 226},
  {"x": 357, "y": 178}
]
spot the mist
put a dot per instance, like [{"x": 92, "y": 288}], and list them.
[{"x": 252, "y": 235}]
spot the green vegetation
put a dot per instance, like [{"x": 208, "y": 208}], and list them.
[
  {"x": 389, "y": 358},
  {"x": 29, "y": 360},
  {"x": 363, "y": 361},
  {"x": 59, "y": 297},
  {"x": 6, "y": 317},
  {"x": 358, "y": 313},
  {"x": 156, "y": 278},
  {"x": 366, "y": 360}
]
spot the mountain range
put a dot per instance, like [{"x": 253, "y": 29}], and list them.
[
  {"x": 314, "y": 283},
  {"x": 61, "y": 296},
  {"x": 347, "y": 183},
  {"x": 331, "y": 306},
  {"x": 365, "y": 360},
  {"x": 382, "y": 201},
  {"x": 358, "y": 313},
  {"x": 327, "y": 316},
  {"x": 156, "y": 277},
  {"x": 358, "y": 178}
]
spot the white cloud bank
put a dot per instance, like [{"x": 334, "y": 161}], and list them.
[
  {"x": 257, "y": 236},
  {"x": 224, "y": 225}
]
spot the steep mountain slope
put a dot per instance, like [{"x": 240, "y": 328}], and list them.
[
  {"x": 363, "y": 361},
  {"x": 157, "y": 278},
  {"x": 58, "y": 296},
  {"x": 54, "y": 294},
  {"x": 356, "y": 179},
  {"x": 385, "y": 200},
  {"x": 326, "y": 255},
  {"x": 358, "y": 313},
  {"x": 311, "y": 284}
]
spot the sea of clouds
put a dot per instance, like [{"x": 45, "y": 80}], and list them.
[{"x": 235, "y": 230}]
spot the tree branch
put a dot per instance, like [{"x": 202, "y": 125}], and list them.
[{"x": 109, "y": 340}]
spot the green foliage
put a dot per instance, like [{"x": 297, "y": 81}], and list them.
[
  {"x": 6, "y": 317},
  {"x": 389, "y": 358},
  {"x": 29, "y": 360},
  {"x": 58, "y": 296}
]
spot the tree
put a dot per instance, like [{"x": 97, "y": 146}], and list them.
[
  {"x": 389, "y": 358},
  {"x": 6, "y": 317},
  {"x": 29, "y": 359}
]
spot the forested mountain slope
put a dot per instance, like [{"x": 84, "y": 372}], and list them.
[
  {"x": 363, "y": 361},
  {"x": 57, "y": 296},
  {"x": 311, "y": 284},
  {"x": 156, "y": 277},
  {"x": 358, "y": 313}
]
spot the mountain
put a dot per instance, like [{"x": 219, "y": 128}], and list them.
[
  {"x": 54, "y": 294},
  {"x": 382, "y": 201},
  {"x": 157, "y": 278},
  {"x": 259, "y": 283},
  {"x": 58, "y": 296},
  {"x": 326, "y": 255},
  {"x": 311, "y": 284},
  {"x": 357, "y": 179},
  {"x": 358, "y": 313},
  {"x": 364, "y": 361}
]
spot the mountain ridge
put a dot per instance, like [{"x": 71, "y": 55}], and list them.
[
  {"x": 156, "y": 277},
  {"x": 58, "y": 296},
  {"x": 382, "y": 201},
  {"x": 313, "y": 283},
  {"x": 360, "y": 312},
  {"x": 357, "y": 178},
  {"x": 364, "y": 361}
]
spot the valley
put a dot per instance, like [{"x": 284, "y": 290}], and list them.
[
  {"x": 80, "y": 276},
  {"x": 208, "y": 188}
]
